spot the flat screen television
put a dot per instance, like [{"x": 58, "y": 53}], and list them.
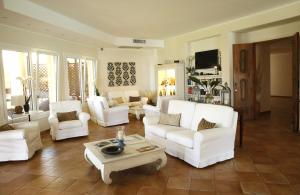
[{"x": 206, "y": 59}]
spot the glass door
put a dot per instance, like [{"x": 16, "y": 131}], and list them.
[
  {"x": 44, "y": 76},
  {"x": 81, "y": 75},
  {"x": 16, "y": 77}
]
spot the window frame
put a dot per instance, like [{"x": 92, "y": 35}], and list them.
[{"x": 81, "y": 80}]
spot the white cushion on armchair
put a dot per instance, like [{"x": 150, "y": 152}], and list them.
[
  {"x": 21, "y": 143},
  {"x": 68, "y": 129}
]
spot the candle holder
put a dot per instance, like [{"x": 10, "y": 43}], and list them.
[{"x": 120, "y": 136}]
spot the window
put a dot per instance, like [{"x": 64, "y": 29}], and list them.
[
  {"x": 44, "y": 76},
  {"x": 41, "y": 76},
  {"x": 81, "y": 77},
  {"x": 15, "y": 65}
]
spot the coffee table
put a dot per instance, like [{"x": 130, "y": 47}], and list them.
[
  {"x": 137, "y": 110},
  {"x": 129, "y": 158}
]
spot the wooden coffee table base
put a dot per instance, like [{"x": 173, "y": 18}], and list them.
[{"x": 126, "y": 163}]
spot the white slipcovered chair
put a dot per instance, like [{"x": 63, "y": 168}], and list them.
[
  {"x": 21, "y": 143},
  {"x": 161, "y": 106},
  {"x": 106, "y": 116},
  {"x": 68, "y": 129}
]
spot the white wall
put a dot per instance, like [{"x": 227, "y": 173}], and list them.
[
  {"x": 204, "y": 44},
  {"x": 281, "y": 74},
  {"x": 145, "y": 60},
  {"x": 275, "y": 23}
]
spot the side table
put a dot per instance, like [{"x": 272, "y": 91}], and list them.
[{"x": 19, "y": 117}]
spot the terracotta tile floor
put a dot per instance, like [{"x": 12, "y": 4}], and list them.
[{"x": 268, "y": 163}]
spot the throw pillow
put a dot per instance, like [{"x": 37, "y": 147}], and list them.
[
  {"x": 67, "y": 116},
  {"x": 119, "y": 100},
  {"x": 134, "y": 99},
  {"x": 6, "y": 127},
  {"x": 204, "y": 124},
  {"x": 169, "y": 119}
]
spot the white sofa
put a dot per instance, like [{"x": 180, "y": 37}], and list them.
[
  {"x": 198, "y": 148},
  {"x": 105, "y": 116},
  {"x": 68, "y": 129},
  {"x": 125, "y": 96},
  {"x": 21, "y": 143},
  {"x": 161, "y": 106}
]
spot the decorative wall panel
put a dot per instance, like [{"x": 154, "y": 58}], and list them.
[{"x": 121, "y": 74}]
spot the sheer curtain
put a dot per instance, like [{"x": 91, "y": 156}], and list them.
[{"x": 3, "y": 111}]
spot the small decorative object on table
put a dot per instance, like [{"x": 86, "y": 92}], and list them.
[
  {"x": 112, "y": 150},
  {"x": 121, "y": 136}
]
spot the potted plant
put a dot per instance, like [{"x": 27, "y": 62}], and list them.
[
  {"x": 25, "y": 84},
  {"x": 96, "y": 91}
]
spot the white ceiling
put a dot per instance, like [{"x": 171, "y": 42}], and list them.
[
  {"x": 156, "y": 18},
  {"x": 92, "y": 21}
]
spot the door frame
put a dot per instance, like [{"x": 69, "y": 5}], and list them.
[{"x": 295, "y": 76}]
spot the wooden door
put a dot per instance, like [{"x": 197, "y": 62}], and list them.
[
  {"x": 244, "y": 79},
  {"x": 295, "y": 54}
]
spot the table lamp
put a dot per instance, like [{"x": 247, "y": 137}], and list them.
[{"x": 18, "y": 101}]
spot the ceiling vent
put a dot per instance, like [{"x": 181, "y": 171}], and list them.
[
  {"x": 140, "y": 41},
  {"x": 129, "y": 47}
]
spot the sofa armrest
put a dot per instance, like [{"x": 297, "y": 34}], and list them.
[
  {"x": 151, "y": 108},
  {"x": 117, "y": 109},
  {"x": 12, "y": 134},
  {"x": 151, "y": 120},
  {"x": 83, "y": 116},
  {"x": 213, "y": 134},
  {"x": 53, "y": 120},
  {"x": 144, "y": 100},
  {"x": 32, "y": 125}
]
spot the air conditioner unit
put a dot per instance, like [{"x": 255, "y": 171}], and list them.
[
  {"x": 140, "y": 41},
  {"x": 130, "y": 47}
]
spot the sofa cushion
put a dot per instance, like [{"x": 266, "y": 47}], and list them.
[
  {"x": 185, "y": 108},
  {"x": 69, "y": 124},
  {"x": 66, "y": 116},
  {"x": 204, "y": 124},
  {"x": 128, "y": 93},
  {"x": 169, "y": 119},
  {"x": 183, "y": 137},
  {"x": 118, "y": 100},
  {"x": 221, "y": 115},
  {"x": 134, "y": 98},
  {"x": 162, "y": 130},
  {"x": 115, "y": 94}
]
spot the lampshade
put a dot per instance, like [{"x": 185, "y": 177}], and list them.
[{"x": 18, "y": 100}]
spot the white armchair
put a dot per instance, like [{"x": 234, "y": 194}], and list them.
[
  {"x": 21, "y": 143},
  {"x": 161, "y": 106},
  {"x": 68, "y": 129},
  {"x": 106, "y": 116}
]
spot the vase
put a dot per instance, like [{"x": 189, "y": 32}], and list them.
[
  {"x": 26, "y": 107},
  {"x": 209, "y": 98}
]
